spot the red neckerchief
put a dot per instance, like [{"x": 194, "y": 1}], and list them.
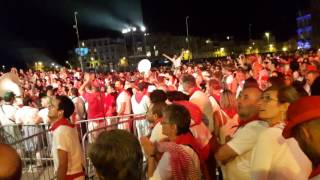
[
  {"x": 230, "y": 112},
  {"x": 315, "y": 172},
  {"x": 245, "y": 122},
  {"x": 194, "y": 90},
  {"x": 189, "y": 140},
  {"x": 139, "y": 96},
  {"x": 61, "y": 122}
]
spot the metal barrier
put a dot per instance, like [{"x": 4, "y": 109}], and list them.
[
  {"x": 33, "y": 142},
  {"x": 35, "y": 153}
]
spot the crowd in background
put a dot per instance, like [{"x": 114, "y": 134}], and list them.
[{"x": 230, "y": 113}]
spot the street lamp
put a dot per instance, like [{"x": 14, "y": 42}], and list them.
[
  {"x": 267, "y": 34},
  {"x": 78, "y": 37},
  {"x": 143, "y": 28}
]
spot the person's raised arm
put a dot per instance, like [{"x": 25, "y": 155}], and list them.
[
  {"x": 169, "y": 58},
  {"x": 85, "y": 83}
]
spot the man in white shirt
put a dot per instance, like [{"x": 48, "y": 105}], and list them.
[
  {"x": 123, "y": 104},
  {"x": 199, "y": 98},
  {"x": 140, "y": 102},
  {"x": 7, "y": 116},
  {"x": 66, "y": 149},
  {"x": 154, "y": 116},
  {"x": 236, "y": 154},
  {"x": 303, "y": 125}
]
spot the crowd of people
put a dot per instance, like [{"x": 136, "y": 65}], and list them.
[{"x": 251, "y": 117}]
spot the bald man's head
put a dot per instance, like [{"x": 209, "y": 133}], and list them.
[{"x": 10, "y": 163}]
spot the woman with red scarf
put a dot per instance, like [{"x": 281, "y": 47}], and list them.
[{"x": 180, "y": 154}]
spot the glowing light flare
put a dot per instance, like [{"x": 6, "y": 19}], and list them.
[{"x": 143, "y": 28}]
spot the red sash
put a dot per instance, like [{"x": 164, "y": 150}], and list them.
[{"x": 74, "y": 176}]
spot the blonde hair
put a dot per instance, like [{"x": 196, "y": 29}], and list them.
[{"x": 228, "y": 100}]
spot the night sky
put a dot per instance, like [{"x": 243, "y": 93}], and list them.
[{"x": 43, "y": 28}]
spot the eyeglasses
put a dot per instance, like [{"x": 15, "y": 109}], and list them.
[{"x": 267, "y": 99}]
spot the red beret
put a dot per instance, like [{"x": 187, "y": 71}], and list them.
[{"x": 303, "y": 110}]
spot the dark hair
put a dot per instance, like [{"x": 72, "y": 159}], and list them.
[
  {"x": 117, "y": 154},
  {"x": 315, "y": 87},
  {"x": 286, "y": 94},
  {"x": 75, "y": 92},
  {"x": 26, "y": 101},
  {"x": 189, "y": 79},
  {"x": 142, "y": 86},
  {"x": 122, "y": 82},
  {"x": 157, "y": 96},
  {"x": 158, "y": 108},
  {"x": 178, "y": 115},
  {"x": 177, "y": 96},
  {"x": 66, "y": 105},
  {"x": 250, "y": 83}
]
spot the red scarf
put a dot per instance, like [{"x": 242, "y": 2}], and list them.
[
  {"x": 188, "y": 139},
  {"x": 61, "y": 122},
  {"x": 315, "y": 172},
  {"x": 139, "y": 95},
  {"x": 242, "y": 123},
  {"x": 194, "y": 90}
]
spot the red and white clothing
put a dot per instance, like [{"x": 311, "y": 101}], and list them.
[
  {"x": 140, "y": 103},
  {"x": 275, "y": 157},
  {"x": 242, "y": 143},
  {"x": 181, "y": 159},
  {"x": 65, "y": 137},
  {"x": 164, "y": 169},
  {"x": 124, "y": 99},
  {"x": 200, "y": 99},
  {"x": 95, "y": 104}
]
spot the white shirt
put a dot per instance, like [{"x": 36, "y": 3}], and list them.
[
  {"x": 26, "y": 115},
  {"x": 156, "y": 133},
  {"x": 124, "y": 97},
  {"x": 200, "y": 99},
  {"x": 66, "y": 138},
  {"x": 142, "y": 107},
  {"x": 43, "y": 113},
  {"x": 7, "y": 114},
  {"x": 274, "y": 157},
  {"x": 242, "y": 143},
  {"x": 163, "y": 170},
  {"x": 214, "y": 104}
]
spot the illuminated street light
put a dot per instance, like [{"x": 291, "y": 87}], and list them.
[
  {"x": 284, "y": 49},
  {"x": 92, "y": 58},
  {"x": 228, "y": 37},
  {"x": 143, "y": 29},
  {"x": 222, "y": 49},
  {"x": 267, "y": 34},
  {"x": 134, "y": 28}
]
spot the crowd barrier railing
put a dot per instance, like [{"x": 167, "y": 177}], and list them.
[{"x": 33, "y": 142}]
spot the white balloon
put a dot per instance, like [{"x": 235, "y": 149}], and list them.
[{"x": 144, "y": 66}]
